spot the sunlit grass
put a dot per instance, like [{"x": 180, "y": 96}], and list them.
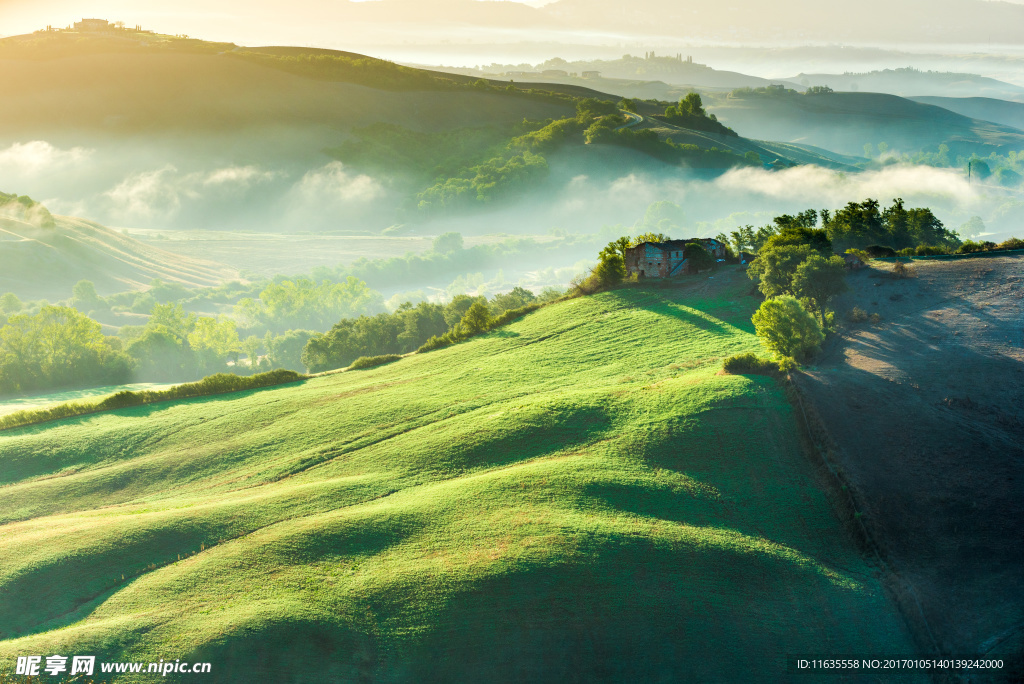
[{"x": 578, "y": 494}]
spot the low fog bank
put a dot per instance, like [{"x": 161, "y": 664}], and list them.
[
  {"x": 585, "y": 198},
  {"x": 589, "y": 189}
]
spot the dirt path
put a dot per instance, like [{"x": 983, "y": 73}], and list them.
[{"x": 927, "y": 412}]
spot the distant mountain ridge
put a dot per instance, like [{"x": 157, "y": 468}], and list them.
[{"x": 908, "y": 82}]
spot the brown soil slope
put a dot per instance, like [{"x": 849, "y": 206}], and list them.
[{"x": 926, "y": 410}]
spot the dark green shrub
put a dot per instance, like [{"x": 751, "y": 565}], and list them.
[
  {"x": 371, "y": 361},
  {"x": 875, "y": 251},
  {"x": 787, "y": 328},
  {"x": 750, "y": 364},
  {"x": 857, "y": 315},
  {"x": 513, "y": 314}
]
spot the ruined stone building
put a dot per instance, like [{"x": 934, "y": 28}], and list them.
[{"x": 667, "y": 259}]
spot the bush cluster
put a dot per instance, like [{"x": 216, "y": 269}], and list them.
[
  {"x": 474, "y": 323},
  {"x": 372, "y": 361},
  {"x": 750, "y": 364}
]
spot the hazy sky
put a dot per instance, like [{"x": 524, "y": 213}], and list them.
[
  {"x": 465, "y": 32},
  {"x": 312, "y": 21}
]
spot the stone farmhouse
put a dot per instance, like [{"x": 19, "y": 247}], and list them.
[{"x": 667, "y": 259}]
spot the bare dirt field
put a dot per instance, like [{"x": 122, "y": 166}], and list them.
[{"x": 925, "y": 410}]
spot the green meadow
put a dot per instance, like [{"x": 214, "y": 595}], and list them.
[{"x": 577, "y": 496}]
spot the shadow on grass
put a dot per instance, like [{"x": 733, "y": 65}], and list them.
[{"x": 658, "y": 303}]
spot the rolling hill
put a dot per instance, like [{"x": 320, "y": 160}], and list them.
[
  {"x": 577, "y": 496},
  {"x": 986, "y": 108},
  {"x": 910, "y": 82},
  {"x": 844, "y": 122},
  {"x": 45, "y": 262},
  {"x": 216, "y": 101}
]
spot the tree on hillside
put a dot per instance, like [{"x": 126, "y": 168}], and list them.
[
  {"x": 649, "y": 237},
  {"x": 861, "y": 224},
  {"x": 514, "y": 299},
  {"x": 692, "y": 104},
  {"x": 457, "y": 308},
  {"x": 250, "y": 346},
  {"x": 628, "y": 104},
  {"x": 9, "y": 303},
  {"x": 447, "y": 243},
  {"x": 817, "y": 280},
  {"x": 971, "y": 229},
  {"x": 211, "y": 341},
  {"x": 84, "y": 296},
  {"x": 610, "y": 270},
  {"x": 787, "y": 329},
  {"x": 285, "y": 351},
  {"x": 160, "y": 356},
  {"x": 618, "y": 246},
  {"x": 58, "y": 347},
  {"x": 774, "y": 268},
  {"x": 477, "y": 319}
]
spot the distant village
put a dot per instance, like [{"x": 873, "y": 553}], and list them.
[{"x": 100, "y": 26}]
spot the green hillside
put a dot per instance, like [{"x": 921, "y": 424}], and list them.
[
  {"x": 844, "y": 122},
  {"x": 68, "y": 87},
  {"x": 987, "y": 108},
  {"x": 39, "y": 260},
  {"x": 577, "y": 496},
  {"x": 910, "y": 82}
]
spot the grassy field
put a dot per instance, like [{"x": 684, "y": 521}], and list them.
[
  {"x": 577, "y": 496},
  {"x": 35, "y": 401}
]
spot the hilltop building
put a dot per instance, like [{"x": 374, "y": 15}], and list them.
[
  {"x": 591, "y": 74},
  {"x": 93, "y": 25},
  {"x": 667, "y": 259}
]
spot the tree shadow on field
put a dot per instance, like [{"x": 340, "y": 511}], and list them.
[{"x": 659, "y": 304}]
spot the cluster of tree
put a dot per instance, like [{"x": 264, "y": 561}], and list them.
[
  {"x": 973, "y": 247},
  {"x": 425, "y": 153},
  {"x": 410, "y": 328},
  {"x": 856, "y": 226},
  {"x": 764, "y": 91},
  {"x": 27, "y": 209},
  {"x": 494, "y": 180},
  {"x": 176, "y": 345},
  {"x": 798, "y": 274},
  {"x": 690, "y": 113},
  {"x": 58, "y": 348},
  {"x": 608, "y": 130},
  {"x": 304, "y": 303}
]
